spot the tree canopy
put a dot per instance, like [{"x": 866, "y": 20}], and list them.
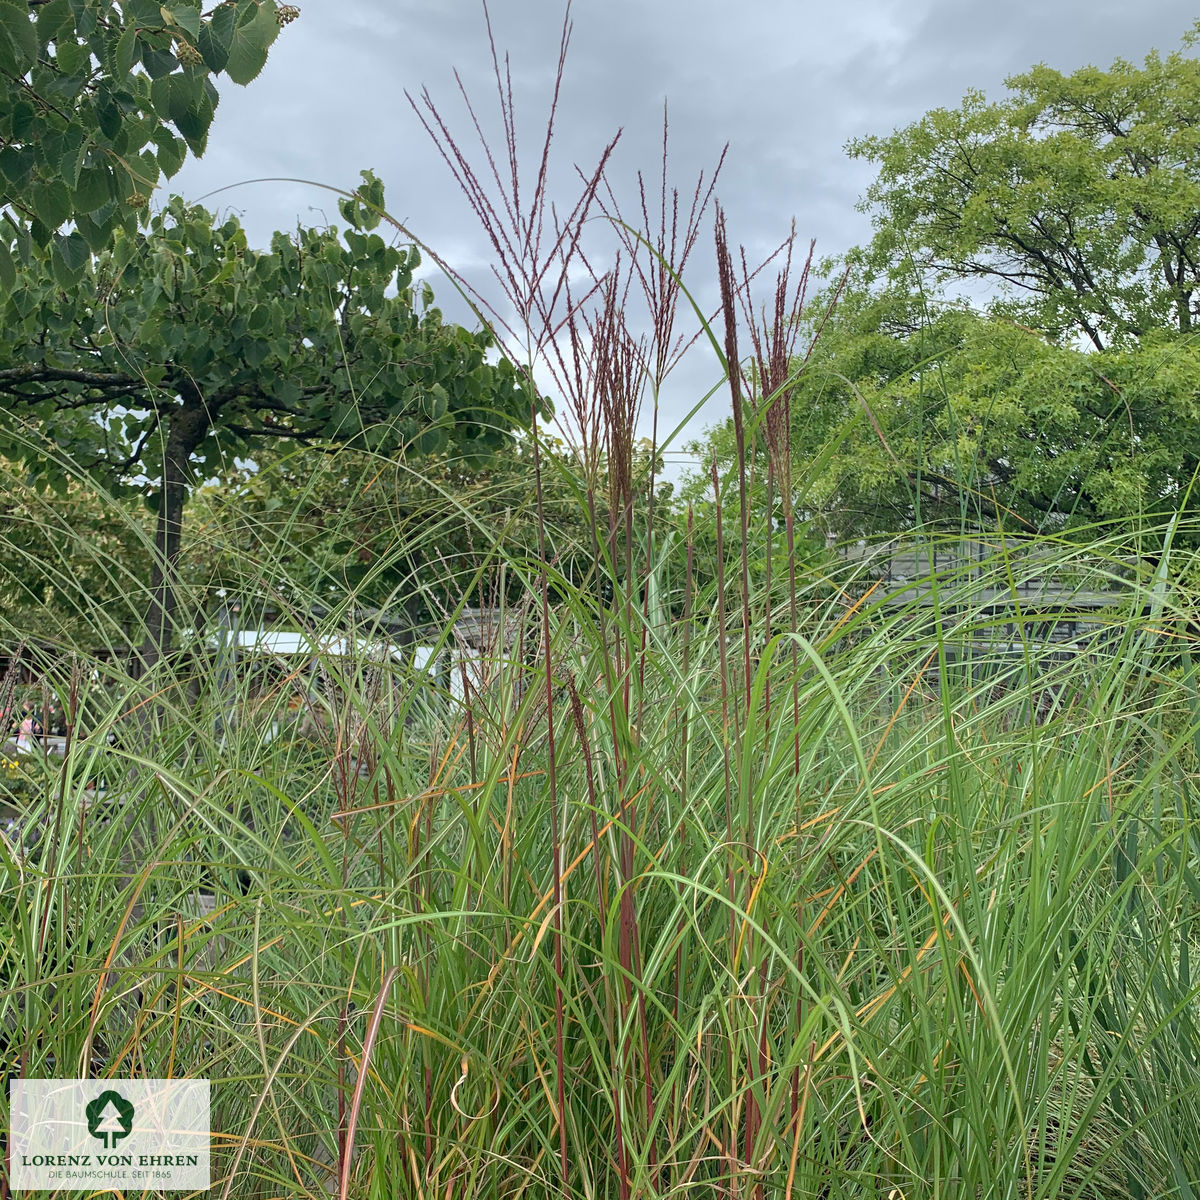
[
  {"x": 182, "y": 348},
  {"x": 906, "y": 414},
  {"x": 1070, "y": 399},
  {"x": 1079, "y": 194},
  {"x": 100, "y": 99}
]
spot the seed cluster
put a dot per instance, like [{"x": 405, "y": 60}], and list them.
[{"x": 188, "y": 54}]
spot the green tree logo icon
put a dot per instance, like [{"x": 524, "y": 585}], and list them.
[{"x": 109, "y": 1118}]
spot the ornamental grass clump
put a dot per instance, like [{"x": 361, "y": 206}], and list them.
[
  {"x": 951, "y": 949},
  {"x": 575, "y": 849}
]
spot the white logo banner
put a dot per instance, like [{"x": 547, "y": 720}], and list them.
[{"x": 84, "y": 1134}]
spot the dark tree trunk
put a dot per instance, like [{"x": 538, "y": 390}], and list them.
[{"x": 186, "y": 428}]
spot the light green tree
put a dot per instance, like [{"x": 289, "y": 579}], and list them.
[
  {"x": 1079, "y": 195},
  {"x": 906, "y": 414}
]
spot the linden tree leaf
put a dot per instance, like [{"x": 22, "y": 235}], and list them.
[{"x": 250, "y": 43}]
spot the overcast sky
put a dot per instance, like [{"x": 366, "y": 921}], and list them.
[{"x": 786, "y": 84}]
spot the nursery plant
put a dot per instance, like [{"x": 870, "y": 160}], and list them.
[{"x": 757, "y": 880}]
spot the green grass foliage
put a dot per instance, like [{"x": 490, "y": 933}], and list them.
[{"x": 841, "y": 912}]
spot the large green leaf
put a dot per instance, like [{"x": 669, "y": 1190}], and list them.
[
  {"x": 96, "y": 227},
  {"x": 125, "y": 52},
  {"x": 215, "y": 37},
  {"x": 72, "y": 57},
  {"x": 158, "y": 62},
  {"x": 51, "y": 202},
  {"x": 53, "y": 19},
  {"x": 20, "y": 32},
  {"x": 74, "y": 250},
  {"x": 75, "y": 150},
  {"x": 22, "y": 119},
  {"x": 108, "y": 116},
  {"x": 171, "y": 151},
  {"x": 183, "y": 15},
  {"x": 71, "y": 255},
  {"x": 250, "y": 43},
  {"x": 16, "y": 164},
  {"x": 144, "y": 172},
  {"x": 93, "y": 190}
]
